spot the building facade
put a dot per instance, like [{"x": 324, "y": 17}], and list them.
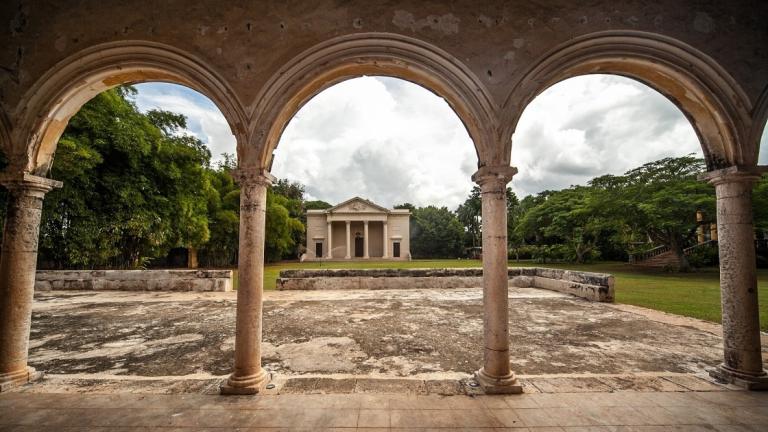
[{"x": 358, "y": 229}]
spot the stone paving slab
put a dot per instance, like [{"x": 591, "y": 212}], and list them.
[
  {"x": 430, "y": 335},
  {"x": 638, "y": 411}
]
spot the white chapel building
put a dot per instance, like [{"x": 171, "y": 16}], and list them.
[{"x": 358, "y": 229}]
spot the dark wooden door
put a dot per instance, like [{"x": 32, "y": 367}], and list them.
[
  {"x": 396, "y": 250},
  {"x": 318, "y": 250},
  {"x": 359, "y": 245}
]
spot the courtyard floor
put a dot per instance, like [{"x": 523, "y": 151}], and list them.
[{"x": 351, "y": 359}]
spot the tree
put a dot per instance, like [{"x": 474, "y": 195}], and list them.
[
  {"x": 661, "y": 199},
  {"x": 405, "y": 206},
  {"x": 133, "y": 187},
  {"x": 316, "y": 205},
  {"x": 435, "y": 233},
  {"x": 223, "y": 218},
  {"x": 281, "y": 228},
  {"x": 571, "y": 217},
  {"x": 470, "y": 215},
  {"x": 760, "y": 203},
  {"x": 289, "y": 189}
]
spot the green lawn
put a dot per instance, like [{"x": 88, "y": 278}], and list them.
[{"x": 691, "y": 294}]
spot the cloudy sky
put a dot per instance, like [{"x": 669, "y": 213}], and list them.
[{"x": 392, "y": 141}]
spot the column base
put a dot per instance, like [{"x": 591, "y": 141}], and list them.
[
  {"x": 15, "y": 379},
  {"x": 498, "y": 385},
  {"x": 248, "y": 385},
  {"x": 727, "y": 375}
]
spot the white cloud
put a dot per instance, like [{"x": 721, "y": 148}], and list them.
[
  {"x": 384, "y": 139},
  {"x": 593, "y": 125},
  {"x": 393, "y": 141}
]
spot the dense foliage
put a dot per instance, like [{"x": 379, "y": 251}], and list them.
[
  {"x": 435, "y": 233},
  {"x": 652, "y": 205},
  {"x": 135, "y": 187}
]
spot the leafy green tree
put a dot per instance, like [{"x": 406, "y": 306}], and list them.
[
  {"x": 405, "y": 206},
  {"x": 571, "y": 217},
  {"x": 281, "y": 228},
  {"x": 289, "y": 189},
  {"x": 469, "y": 214},
  {"x": 760, "y": 204},
  {"x": 133, "y": 187},
  {"x": 435, "y": 233},
  {"x": 316, "y": 205},
  {"x": 223, "y": 218},
  {"x": 661, "y": 199}
]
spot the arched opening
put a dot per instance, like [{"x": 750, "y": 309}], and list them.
[
  {"x": 613, "y": 166},
  {"x": 401, "y": 148},
  {"x": 144, "y": 177}
]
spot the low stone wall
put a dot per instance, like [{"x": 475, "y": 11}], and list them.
[
  {"x": 134, "y": 280},
  {"x": 591, "y": 286}
]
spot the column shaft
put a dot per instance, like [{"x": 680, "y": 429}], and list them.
[
  {"x": 742, "y": 359},
  {"x": 365, "y": 240},
  {"x": 18, "y": 265},
  {"x": 496, "y": 375},
  {"x": 249, "y": 377},
  {"x": 349, "y": 248},
  {"x": 329, "y": 243}
]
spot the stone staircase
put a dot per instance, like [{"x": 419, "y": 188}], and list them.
[{"x": 663, "y": 256}]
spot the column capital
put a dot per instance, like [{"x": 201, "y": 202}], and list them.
[
  {"x": 30, "y": 182},
  {"x": 734, "y": 174},
  {"x": 494, "y": 175},
  {"x": 247, "y": 176}
]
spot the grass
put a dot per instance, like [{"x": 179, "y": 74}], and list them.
[{"x": 694, "y": 294}]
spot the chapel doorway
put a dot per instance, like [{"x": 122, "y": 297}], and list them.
[{"x": 359, "y": 244}]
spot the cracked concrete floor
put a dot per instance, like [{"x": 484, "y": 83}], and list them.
[{"x": 416, "y": 334}]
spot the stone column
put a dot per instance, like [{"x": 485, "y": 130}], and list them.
[
  {"x": 742, "y": 361},
  {"x": 495, "y": 375},
  {"x": 18, "y": 265},
  {"x": 348, "y": 255},
  {"x": 365, "y": 240},
  {"x": 329, "y": 243},
  {"x": 248, "y": 376},
  {"x": 386, "y": 241}
]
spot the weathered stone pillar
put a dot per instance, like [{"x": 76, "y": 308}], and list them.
[
  {"x": 348, "y": 255},
  {"x": 248, "y": 376},
  {"x": 495, "y": 375},
  {"x": 18, "y": 264},
  {"x": 386, "y": 242},
  {"x": 329, "y": 243},
  {"x": 365, "y": 240},
  {"x": 742, "y": 362}
]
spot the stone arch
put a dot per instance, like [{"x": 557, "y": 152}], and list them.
[
  {"x": 710, "y": 98},
  {"x": 60, "y": 93},
  {"x": 385, "y": 54},
  {"x": 5, "y": 133},
  {"x": 759, "y": 123}
]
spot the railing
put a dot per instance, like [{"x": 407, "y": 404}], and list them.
[
  {"x": 687, "y": 251},
  {"x": 635, "y": 258},
  {"x": 642, "y": 256}
]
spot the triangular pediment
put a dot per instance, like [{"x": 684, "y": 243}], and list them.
[{"x": 357, "y": 205}]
